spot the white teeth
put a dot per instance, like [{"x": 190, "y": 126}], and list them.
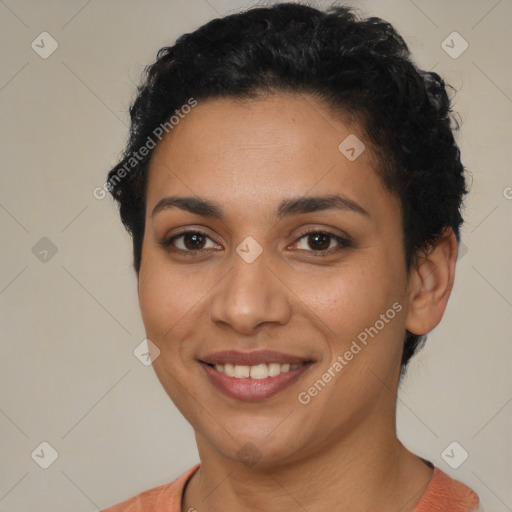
[
  {"x": 259, "y": 371},
  {"x": 229, "y": 369},
  {"x": 274, "y": 369},
  {"x": 242, "y": 372}
]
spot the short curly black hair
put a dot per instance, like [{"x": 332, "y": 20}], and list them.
[{"x": 361, "y": 68}]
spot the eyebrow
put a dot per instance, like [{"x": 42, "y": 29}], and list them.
[{"x": 288, "y": 207}]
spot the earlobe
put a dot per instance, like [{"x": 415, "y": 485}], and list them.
[{"x": 431, "y": 283}]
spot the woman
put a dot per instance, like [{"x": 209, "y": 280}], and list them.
[{"x": 293, "y": 190}]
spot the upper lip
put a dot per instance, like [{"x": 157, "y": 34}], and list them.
[{"x": 252, "y": 358}]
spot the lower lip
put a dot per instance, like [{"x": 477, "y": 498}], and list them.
[{"x": 253, "y": 389}]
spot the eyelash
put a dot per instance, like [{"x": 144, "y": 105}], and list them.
[{"x": 344, "y": 242}]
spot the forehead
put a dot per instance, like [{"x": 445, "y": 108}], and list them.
[
  {"x": 253, "y": 150},
  {"x": 287, "y": 122}
]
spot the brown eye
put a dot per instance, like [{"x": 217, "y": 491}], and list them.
[
  {"x": 317, "y": 242},
  {"x": 191, "y": 242},
  {"x": 320, "y": 242}
]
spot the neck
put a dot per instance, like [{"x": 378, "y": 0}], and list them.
[{"x": 365, "y": 469}]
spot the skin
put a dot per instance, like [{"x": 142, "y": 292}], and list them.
[{"x": 339, "y": 451}]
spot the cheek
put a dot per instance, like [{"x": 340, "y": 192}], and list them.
[
  {"x": 350, "y": 299},
  {"x": 152, "y": 299},
  {"x": 171, "y": 301},
  {"x": 164, "y": 314},
  {"x": 160, "y": 303}
]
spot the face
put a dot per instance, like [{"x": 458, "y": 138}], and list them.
[{"x": 263, "y": 277}]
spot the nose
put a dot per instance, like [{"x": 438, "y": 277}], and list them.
[{"x": 250, "y": 295}]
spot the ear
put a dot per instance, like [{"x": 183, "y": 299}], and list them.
[
  {"x": 430, "y": 284},
  {"x": 139, "y": 276}
]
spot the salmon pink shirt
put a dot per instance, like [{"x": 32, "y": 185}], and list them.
[{"x": 444, "y": 494}]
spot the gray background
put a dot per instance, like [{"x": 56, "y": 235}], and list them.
[{"x": 70, "y": 320}]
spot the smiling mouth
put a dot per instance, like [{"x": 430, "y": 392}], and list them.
[
  {"x": 254, "y": 382},
  {"x": 258, "y": 372}
]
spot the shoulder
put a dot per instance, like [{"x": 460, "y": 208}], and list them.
[
  {"x": 164, "y": 498},
  {"x": 445, "y": 494}
]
